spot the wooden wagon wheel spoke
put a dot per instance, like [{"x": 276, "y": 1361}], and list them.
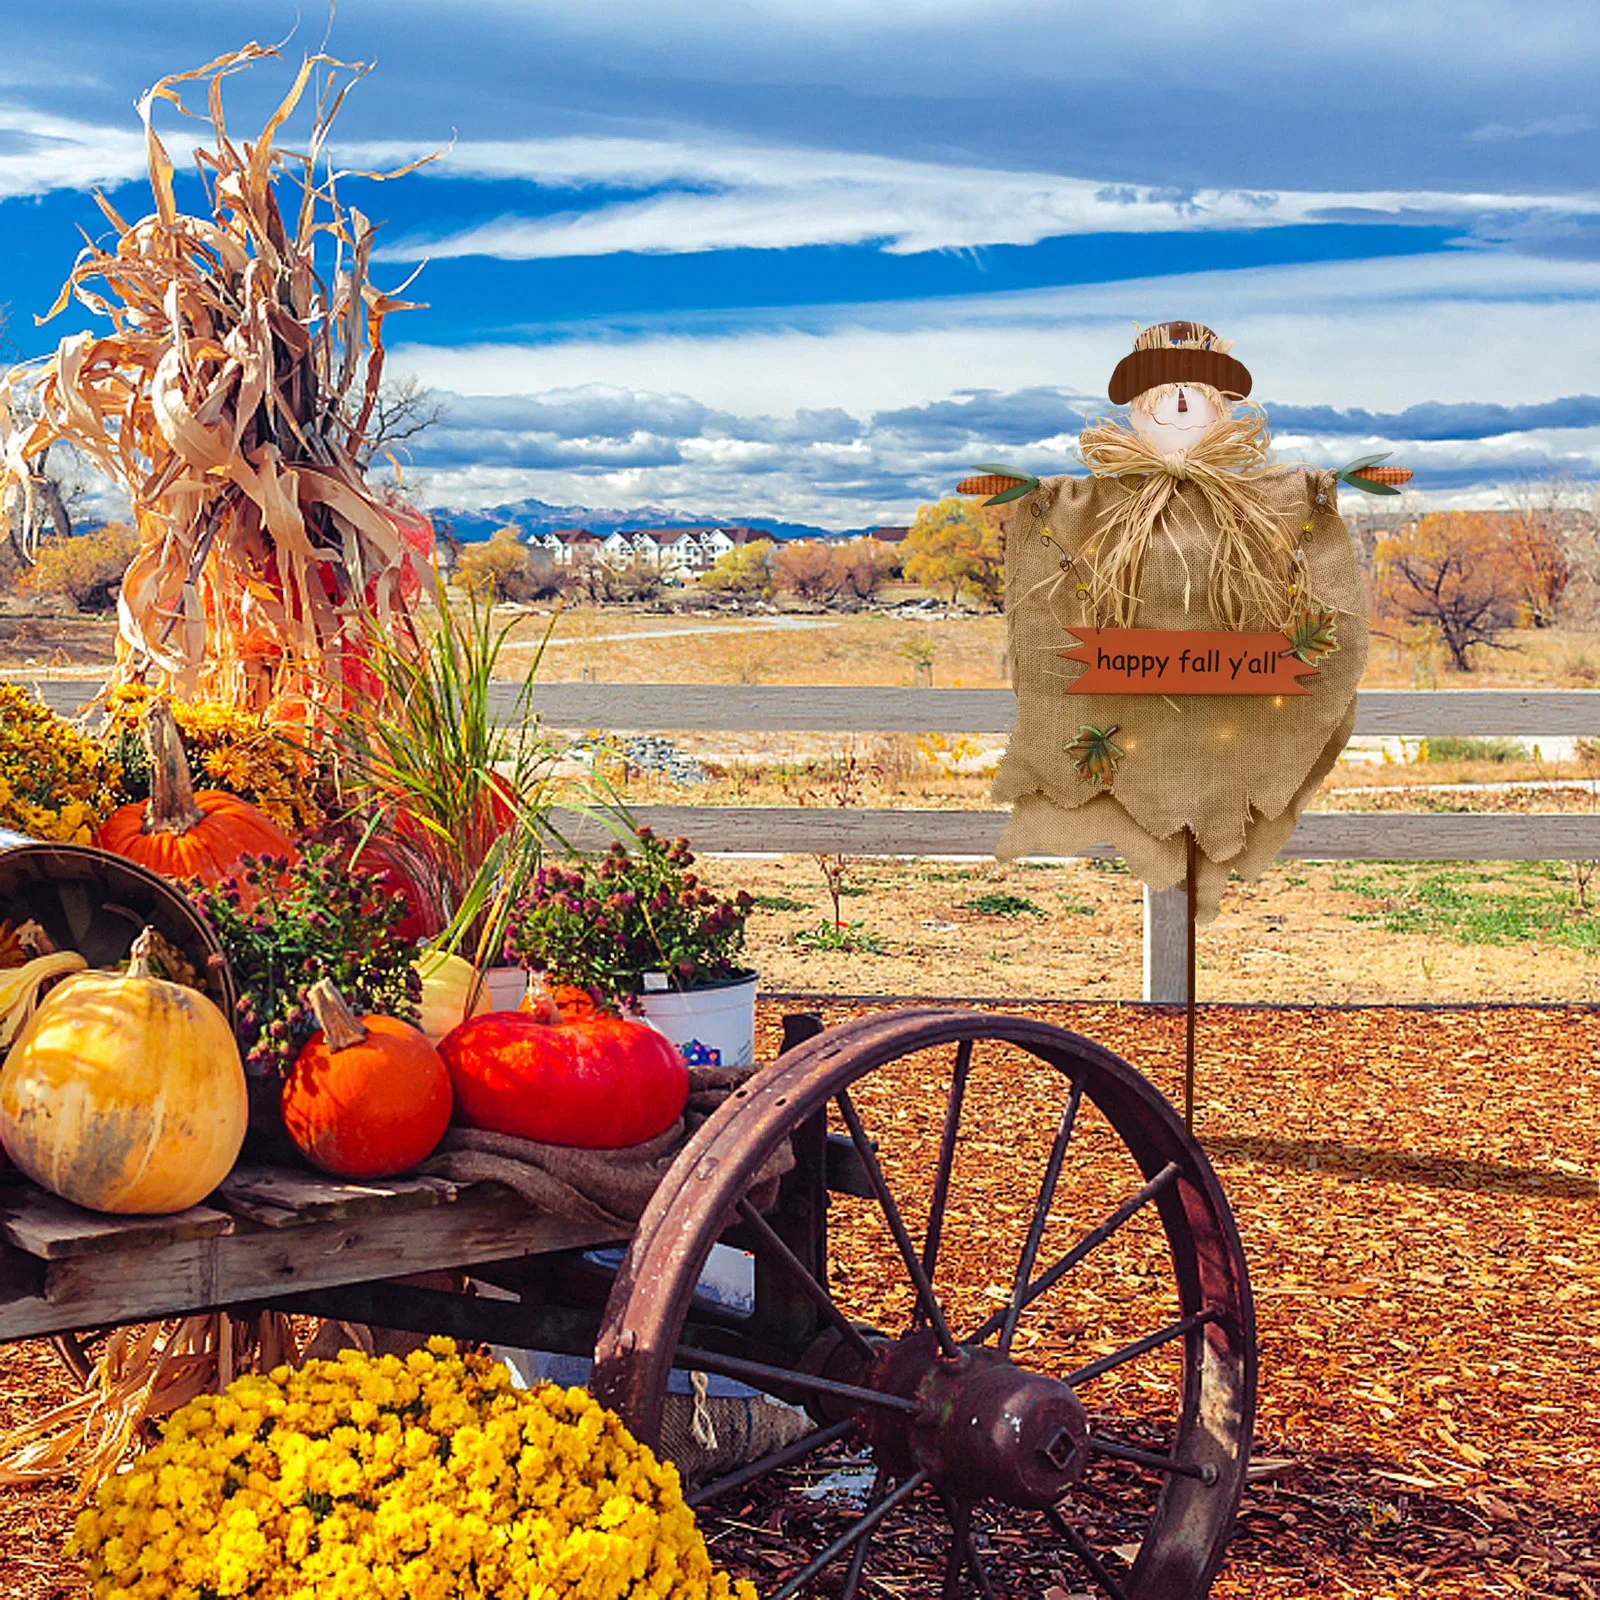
[
  {"x": 785, "y": 1456},
  {"x": 1090, "y": 1242},
  {"x": 867, "y": 1343},
  {"x": 947, "y": 1158},
  {"x": 926, "y": 1299},
  {"x": 1138, "y": 1347},
  {"x": 861, "y": 1528},
  {"x": 813, "y": 1290},
  {"x": 1041, "y": 1214},
  {"x": 1082, "y": 1549},
  {"x": 1100, "y": 1445}
]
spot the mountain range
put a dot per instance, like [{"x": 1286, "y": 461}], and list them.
[{"x": 539, "y": 516}]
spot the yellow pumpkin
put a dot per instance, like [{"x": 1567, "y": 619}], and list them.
[
  {"x": 447, "y": 981},
  {"x": 124, "y": 1093}
]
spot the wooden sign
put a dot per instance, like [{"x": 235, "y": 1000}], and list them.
[{"x": 1172, "y": 661}]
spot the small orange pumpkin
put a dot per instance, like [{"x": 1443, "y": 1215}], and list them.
[
  {"x": 181, "y": 833},
  {"x": 367, "y": 1097}
]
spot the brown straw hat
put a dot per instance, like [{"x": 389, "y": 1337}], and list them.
[{"x": 1178, "y": 352}]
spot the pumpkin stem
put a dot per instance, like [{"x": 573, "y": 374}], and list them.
[
  {"x": 139, "y": 954},
  {"x": 341, "y": 1027},
  {"x": 171, "y": 808},
  {"x": 540, "y": 1002}
]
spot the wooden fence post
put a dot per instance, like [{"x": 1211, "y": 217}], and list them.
[{"x": 1166, "y": 974}]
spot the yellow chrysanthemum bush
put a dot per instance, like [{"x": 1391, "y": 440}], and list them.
[
  {"x": 427, "y": 1477},
  {"x": 271, "y": 765},
  {"x": 54, "y": 782}
]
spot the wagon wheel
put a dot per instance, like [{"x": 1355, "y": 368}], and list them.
[{"x": 1028, "y": 1399}]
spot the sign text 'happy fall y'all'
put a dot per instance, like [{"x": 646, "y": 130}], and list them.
[{"x": 1174, "y": 661}]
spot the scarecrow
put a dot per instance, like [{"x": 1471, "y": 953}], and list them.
[{"x": 1187, "y": 627}]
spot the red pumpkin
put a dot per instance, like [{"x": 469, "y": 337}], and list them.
[
  {"x": 183, "y": 834},
  {"x": 600, "y": 1084},
  {"x": 367, "y": 1097}
]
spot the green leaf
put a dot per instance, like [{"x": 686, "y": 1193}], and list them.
[
  {"x": 1025, "y": 487},
  {"x": 1007, "y": 472},
  {"x": 1363, "y": 461}
]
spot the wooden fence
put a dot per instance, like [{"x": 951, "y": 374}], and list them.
[{"x": 1322, "y": 836}]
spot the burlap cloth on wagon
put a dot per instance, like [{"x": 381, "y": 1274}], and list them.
[
  {"x": 611, "y": 1187},
  {"x": 1237, "y": 769}
]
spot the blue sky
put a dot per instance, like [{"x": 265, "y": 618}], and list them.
[{"x": 810, "y": 260}]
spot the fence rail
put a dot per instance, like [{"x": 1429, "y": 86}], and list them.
[{"x": 1322, "y": 836}]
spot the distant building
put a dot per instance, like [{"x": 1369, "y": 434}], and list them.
[
  {"x": 564, "y": 545},
  {"x": 888, "y": 535},
  {"x": 675, "y": 550}
]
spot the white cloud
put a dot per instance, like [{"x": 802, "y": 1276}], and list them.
[
  {"x": 40, "y": 152},
  {"x": 1560, "y": 127},
  {"x": 727, "y": 196}
]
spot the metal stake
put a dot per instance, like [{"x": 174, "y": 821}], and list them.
[{"x": 1192, "y": 888}]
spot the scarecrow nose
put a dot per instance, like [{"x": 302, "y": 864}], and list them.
[{"x": 1183, "y": 405}]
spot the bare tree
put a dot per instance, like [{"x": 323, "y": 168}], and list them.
[
  {"x": 405, "y": 408},
  {"x": 1541, "y": 534}
]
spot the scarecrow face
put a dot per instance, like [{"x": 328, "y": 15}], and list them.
[{"x": 1176, "y": 420}]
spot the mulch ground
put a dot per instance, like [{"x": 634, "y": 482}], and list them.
[{"x": 1417, "y": 1196}]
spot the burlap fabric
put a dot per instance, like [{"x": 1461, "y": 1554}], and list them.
[
  {"x": 1236, "y": 769},
  {"x": 611, "y": 1187}
]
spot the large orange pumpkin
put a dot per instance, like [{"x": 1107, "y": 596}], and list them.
[
  {"x": 366, "y": 1097},
  {"x": 124, "y": 1093},
  {"x": 181, "y": 833},
  {"x": 600, "y": 1084}
]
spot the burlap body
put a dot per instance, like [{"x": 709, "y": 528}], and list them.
[{"x": 1237, "y": 769}]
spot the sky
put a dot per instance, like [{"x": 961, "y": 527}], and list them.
[{"x": 812, "y": 259}]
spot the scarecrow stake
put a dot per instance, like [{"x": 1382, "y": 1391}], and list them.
[{"x": 1208, "y": 608}]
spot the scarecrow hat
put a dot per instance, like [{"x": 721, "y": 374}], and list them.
[{"x": 1178, "y": 352}]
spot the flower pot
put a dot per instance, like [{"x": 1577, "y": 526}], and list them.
[
  {"x": 506, "y": 986},
  {"x": 713, "y": 1025}
]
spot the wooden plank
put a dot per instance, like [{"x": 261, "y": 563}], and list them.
[
  {"x": 1166, "y": 945},
  {"x": 193, "y": 1275},
  {"x": 1322, "y": 835},
  {"x": 54, "y": 1229},
  {"x": 281, "y": 1197},
  {"x": 832, "y": 708}
]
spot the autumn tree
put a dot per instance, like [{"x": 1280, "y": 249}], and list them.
[
  {"x": 958, "y": 545},
  {"x": 1537, "y": 532},
  {"x": 86, "y": 567},
  {"x": 506, "y": 567},
  {"x": 809, "y": 569},
  {"x": 1453, "y": 571},
  {"x": 748, "y": 571},
  {"x": 865, "y": 564}
]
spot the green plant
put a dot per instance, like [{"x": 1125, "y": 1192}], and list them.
[
  {"x": 602, "y": 924},
  {"x": 777, "y": 902},
  {"x": 1449, "y": 747},
  {"x": 1001, "y": 904},
  {"x": 460, "y": 783},
  {"x": 321, "y": 918},
  {"x": 848, "y": 936}
]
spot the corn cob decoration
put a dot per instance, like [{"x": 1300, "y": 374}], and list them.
[
  {"x": 1371, "y": 478},
  {"x": 999, "y": 483}
]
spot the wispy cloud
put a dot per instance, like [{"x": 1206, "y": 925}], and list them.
[
  {"x": 718, "y": 196},
  {"x": 1561, "y": 127},
  {"x": 39, "y": 152}
]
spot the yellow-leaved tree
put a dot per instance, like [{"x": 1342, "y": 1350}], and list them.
[{"x": 958, "y": 545}]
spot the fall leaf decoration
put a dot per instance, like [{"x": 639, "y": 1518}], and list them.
[
  {"x": 1095, "y": 753},
  {"x": 1000, "y": 483},
  {"x": 1366, "y": 474},
  {"x": 232, "y": 401},
  {"x": 1312, "y": 634}
]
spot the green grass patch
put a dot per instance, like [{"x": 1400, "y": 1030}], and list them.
[
  {"x": 1497, "y": 751},
  {"x": 1075, "y": 908},
  {"x": 1518, "y": 903},
  {"x": 1001, "y": 904},
  {"x": 780, "y": 902},
  {"x": 849, "y": 936}
]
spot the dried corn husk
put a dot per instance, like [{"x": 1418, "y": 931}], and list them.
[
  {"x": 147, "y": 1371},
  {"x": 231, "y": 400}
]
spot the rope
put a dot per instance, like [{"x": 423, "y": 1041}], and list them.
[{"x": 701, "y": 1428}]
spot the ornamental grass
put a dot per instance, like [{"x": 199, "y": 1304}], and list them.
[{"x": 428, "y": 1477}]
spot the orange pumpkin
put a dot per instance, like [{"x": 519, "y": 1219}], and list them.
[
  {"x": 600, "y": 1084},
  {"x": 180, "y": 833},
  {"x": 367, "y": 1097}
]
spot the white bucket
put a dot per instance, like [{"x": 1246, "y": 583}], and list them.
[
  {"x": 713, "y": 1026},
  {"x": 506, "y": 986}
]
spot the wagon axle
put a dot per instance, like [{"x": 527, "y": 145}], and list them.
[{"x": 986, "y": 1428}]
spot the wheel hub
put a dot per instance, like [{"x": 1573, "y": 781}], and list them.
[{"x": 987, "y": 1427}]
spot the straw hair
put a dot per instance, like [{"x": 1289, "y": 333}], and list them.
[{"x": 1253, "y": 556}]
